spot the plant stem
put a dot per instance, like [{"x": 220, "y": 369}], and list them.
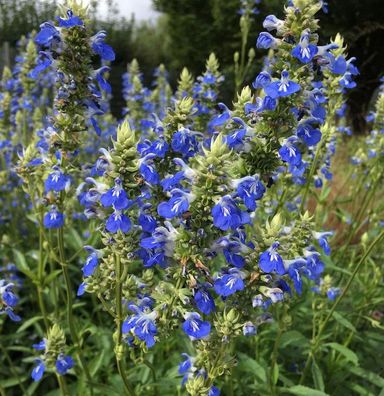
[
  {"x": 71, "y": 323},
  {"x": 13, "y": 370},
  {"x": 62, "y": 385},
  {"x": 367, "y": 199},
  {"x": 41, "y": 275},
  {"x": 275, "y": 353},
  {"x": 316, "y": 339},
  {"x": 119, "y": 321},
  {"x": 153, "y": 371}
]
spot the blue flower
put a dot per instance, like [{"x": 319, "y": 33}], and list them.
[
  {"x": 222, "y": 118},
  {"x": 118, "y": 222},
  {"x": 103, "y": 83},
  {"x": 70, "y": 21},
  {"x": 333, "y": 292},
  {"x": 44, "y": 61},
  {"x": 185, "y": 142},
  {"x": 53, "y": 219},
  {"x": 105, "y": 51},
  {"x": 314, "y": 267},
  {"x": 116, "y": 196},
  {"x": 295, "y": 267},
  {"x": 171, "y": 182},
  {"x": 195, "y": 327},
  {"x": 38, "y": 370},
  {"x": 272, "y": 23},
  {"x": 142, "y": 324},
  {"x": 11, "y": 314},
  {"x": 178, "y": 204},
  {"x": 214, "y": 391},
  {"x": 204, "y": 301},
  {"x": 208, "y": 78},
  {"x": 6, "y": 294},
  {"x": 347, "y": 82},
  {"x": 338, "y": 65},
  {"x": 304, "y": 51},
  {"x": 56, "y": 181},
  {"x": 290, "y": 153},
  {"x": 186, "y": 364},
  {"x": 323, "y": 242},
  {"x": 91, "y": 262},
  {"x": 249, "y": 329},
  {"x": 262, "y": 80},
  {"x": 159, "y": 148},
  {"x": 249, "y": 189},
  {"x": 8, "y": 300},
  {"x": 147, "y": 169},
  {"x": 81, "y": 289},
  {"x": 235, "y": 138},
  {"x": 318, "y": 181},
  {"x": 229, "y": 283},
  {"x": 64, "y": 363},
  {"x": 163, "y": 239},
  {"x": 266, "y": 41},
  {"x": 258, "y": 301},
  {"x": 311, "y": 136},
  {"x": 47, "y": 33},
  {"x": 271, "y": 261},
  {"x": 284, "y": 87},
  {"x": 40, "y": 346},
  {"x": 274, "y": 293},
  {"x": 227, "y": 215},
  {"x": 148, "y": 222}
]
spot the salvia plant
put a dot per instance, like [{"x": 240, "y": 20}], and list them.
[{"x": 191, "y": 246}]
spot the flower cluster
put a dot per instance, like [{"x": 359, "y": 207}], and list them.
[
  {"x": 195, "y": 220},
  {"x": 53, "y": 354}
]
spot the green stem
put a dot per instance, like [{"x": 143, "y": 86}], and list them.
[
  {"x": 357, "y": 223},
  {"x": 119, "y": 322},
  {"x": 310, "y": 176},
  {"x": 13, "y": 370},
  {"x": 41, "y": 275},
  {"x": 315, "y": 341},
  {"x": 275, "y": 353},
  {"x": 70, "y": 319},
  {"x": 62, "y": 385},
  {"x": 152, "y": 368}
]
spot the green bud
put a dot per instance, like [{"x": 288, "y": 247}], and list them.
[
  {"x": 251, "y": 54},
  {"x": 212, "y": 64},
  {"x": 195, "y": 386},
  {"x": 365, "y": 239}
]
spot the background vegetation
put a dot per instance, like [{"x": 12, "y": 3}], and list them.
[{"x": 188, "y": 30}]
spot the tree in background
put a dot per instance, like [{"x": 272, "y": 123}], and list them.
[
  {"x": 198, "y": 27},
  {"x": 189, "y": 30},
  {"x": 362, "y": 25}
]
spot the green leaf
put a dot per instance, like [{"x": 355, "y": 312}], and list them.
[
  {"x": 368, "y": 376},
  {"x": 293, "y": 337},
  {"x": 317, "y": 376},
  {"x": 96, "y": 363},
  {"x": 22, "y": 265},
  {"x": 301, "y": 390},
  {"x": 9, "y": 382},
  {"x": 28, "y": 323},
  {"x": 253, "y": 366},
  {"x": 275, "y": 373},
  {"x": 74, "y": 239},
  {"x": 359, "y": 390},
  {"x": 51, "y": 277},
  {"x": 346, "y": 352},
  {"x": 344, "y": 322}
]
